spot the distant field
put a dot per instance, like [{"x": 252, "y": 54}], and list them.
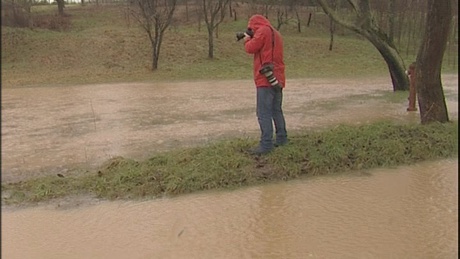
[{"x": 103, "y": 44}]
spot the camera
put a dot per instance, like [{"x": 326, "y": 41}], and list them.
[
  {"x": 267, "y": 71},
  {"x": 240, "y": 35}
]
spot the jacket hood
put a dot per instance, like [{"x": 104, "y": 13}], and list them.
[{"x": 256, "y": 21}]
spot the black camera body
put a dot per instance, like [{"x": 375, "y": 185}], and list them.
[
  {"x": 267, "y": 71},
  {"x": 240, "y": 35}
]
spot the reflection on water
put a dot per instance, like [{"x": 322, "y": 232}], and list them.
[
  {"x": 48, "y": 130},
  {"x": 407, "y": 212}
]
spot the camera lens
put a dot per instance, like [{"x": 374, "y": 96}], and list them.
[
  {"x": 239, "y": 36},
  {"x": 267, "y": 71}
]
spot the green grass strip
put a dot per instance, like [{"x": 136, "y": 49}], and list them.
[{"x": 227, "y": 165}]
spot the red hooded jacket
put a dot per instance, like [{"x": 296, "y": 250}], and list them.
[{"x": 261, "y": 46}]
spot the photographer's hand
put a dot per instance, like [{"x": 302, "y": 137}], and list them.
[{"x": 246, "y": 37}]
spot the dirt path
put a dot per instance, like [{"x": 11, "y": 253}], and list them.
[{"x": 48, "y": 130}]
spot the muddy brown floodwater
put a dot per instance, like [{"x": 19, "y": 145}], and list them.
[
  {"x": 406, "y": 212},
  {"x": 49, "y": 130}
]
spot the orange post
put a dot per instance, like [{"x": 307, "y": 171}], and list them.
[{"x": 412, "y": 90}]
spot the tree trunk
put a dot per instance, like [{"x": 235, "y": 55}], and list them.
[
  {"x": 230, "y": 8},
  {"x": 331, "y": 32},
  {"x": 210, "y": 45},
  {"x": 309, "y": 20},
  {"x": 154, "y": 61},
  {"x": 431, "y": 98},
  {"x": 394, "y": 61},
  {"x": 364, "y": 26},
  {"x": 60, "y": 4},
  {"x": 155, "y": 54},
  {"x": 214, "y": 14},
  {"x": 199, "y": 18},
  {"x": 298, "y": 21},
  {"x": 155, "y": 40}
]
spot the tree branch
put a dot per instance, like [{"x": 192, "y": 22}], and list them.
[
  {"x": 353, "y": 4},
  {"x": 331, "y": 13}
]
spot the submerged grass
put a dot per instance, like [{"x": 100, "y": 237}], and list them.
[{"x": 227, "y": 165}]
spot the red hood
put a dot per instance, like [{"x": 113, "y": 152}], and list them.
[{"x": 257, "y": 21}]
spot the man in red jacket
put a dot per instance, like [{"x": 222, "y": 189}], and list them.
[{"x": 266, "y": 44}]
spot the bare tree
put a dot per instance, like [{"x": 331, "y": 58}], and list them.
[
  {"x": 297, "y": 7},
  {"x": 333, "y": 4},
  {"x": 281, "y": 17},
  {"x": 154, "y": 16},
  {"x": 391, "y": 19},
  {"x": 186, "y": 10},
  {"x": 431, "y": 98},
  {"x": 230, "y": 11},
  {"x": 402, "y": 18},
  {"x": 282, "y": 13},
  {"x": 365, "y": 25},
  {"x": 415, "y": 24},
  {"x": 299, "y": 28},
  {"x": 214, "y": 13},
  {"x": 61, "y": 6}
]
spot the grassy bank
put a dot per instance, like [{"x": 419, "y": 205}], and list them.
[
  {"x": 227, "y": 165},
  {"x": 103, "y": 45}
]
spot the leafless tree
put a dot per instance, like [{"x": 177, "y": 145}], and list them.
[
  {"x": 61, "y": 6},
  {"x": 431, "y": 98},
  {"x": 281, "y": 17},
  {"x": 199, "y": 13},
  {"x": 333, "y": 4},
  {"x": 364, "y": 24},
  {"x": 186, "y": 11},
  {"x": 282, "y": 13},
  {"x": 214, "y": 13},
  {"x": 412, "y": 22},
  {"x": 267, "y": 6},
  {"x": 154, "y": 16},
  {"x": 391, "y": 19},
  {"x": 299, "y": 21},
  {"x": 402, "y": 11}
]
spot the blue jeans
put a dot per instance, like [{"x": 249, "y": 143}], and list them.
[{"x": 269, "y": 111}]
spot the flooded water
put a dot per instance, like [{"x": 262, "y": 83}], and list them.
[
  {"x": 49, "y": 130},
  {"x": 406, "y": 212}
]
